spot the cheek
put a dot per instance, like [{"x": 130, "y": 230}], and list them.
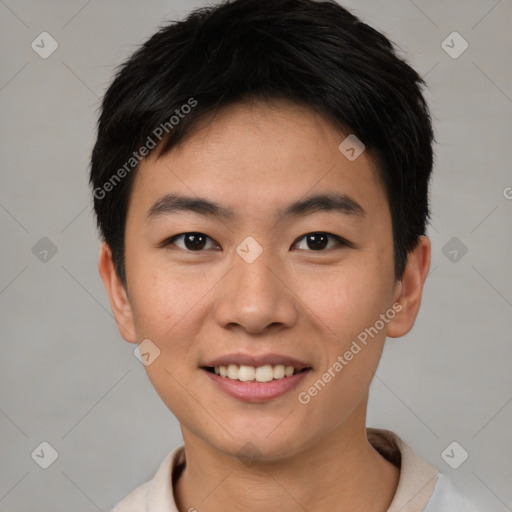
[
  {"x": 169, "y": 312},
  {"x": 345, "y": 301},
  {"x": 165, "y": 300}
]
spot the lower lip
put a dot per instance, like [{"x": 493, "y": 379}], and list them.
[{"x": 256, "y": 391}]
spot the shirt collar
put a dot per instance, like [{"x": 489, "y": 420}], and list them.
[{"x": 417, "y": 477}]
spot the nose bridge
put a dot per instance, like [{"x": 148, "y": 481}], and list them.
[
  {"x": 254, "y": 275},
  {"x": 252, "y": 295}
]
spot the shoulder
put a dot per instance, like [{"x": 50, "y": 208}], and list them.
[{"x": 446, "y": 497}]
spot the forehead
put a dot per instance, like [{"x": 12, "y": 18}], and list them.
[{"x": 252, "y": 157}]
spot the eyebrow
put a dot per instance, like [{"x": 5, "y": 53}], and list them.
[{"x": 175, "y": 203}]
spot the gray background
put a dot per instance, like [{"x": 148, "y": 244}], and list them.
[{"x": 67, "y": 377}]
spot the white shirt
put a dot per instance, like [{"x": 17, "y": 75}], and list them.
[{"x": 421, "y": 487}]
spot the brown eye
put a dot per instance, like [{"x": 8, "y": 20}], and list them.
[
  {"x": 192, "y": 241},
  {"x": 318, "y": 241}
]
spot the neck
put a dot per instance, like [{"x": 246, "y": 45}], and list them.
[{"x": 342, "y": 471}]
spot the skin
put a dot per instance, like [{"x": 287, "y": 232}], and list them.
[{"x": 195, "y": 306}]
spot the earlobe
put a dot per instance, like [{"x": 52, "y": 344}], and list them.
[
  {"x": 410, "y": 288},
  {"x": 119, "y": 302}
]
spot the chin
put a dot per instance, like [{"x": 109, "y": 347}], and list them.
[{"x": 253, "y": 445}]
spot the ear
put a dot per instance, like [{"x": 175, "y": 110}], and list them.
[
  {"x": 117, "y": 295},
  {"x": 410, "y": 288}
]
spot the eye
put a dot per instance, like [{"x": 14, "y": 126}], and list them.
[
  {"x": 193, "y": 241},
  {"x": 318, "y": 241}
]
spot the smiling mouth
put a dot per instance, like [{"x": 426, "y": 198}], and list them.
[{"x": 265, "y": 373}]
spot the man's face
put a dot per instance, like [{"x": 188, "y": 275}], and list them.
[{"x": 254, "y": 283}]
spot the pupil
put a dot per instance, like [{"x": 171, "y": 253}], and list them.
[
  {"x": 198, "y": 244},
  {"x": 317, "y": 241}
]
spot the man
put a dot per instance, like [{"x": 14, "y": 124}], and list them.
[{"x": 260, "y": 181}]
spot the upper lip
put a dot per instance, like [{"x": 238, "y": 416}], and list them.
[{"x": 256, "y": 360}]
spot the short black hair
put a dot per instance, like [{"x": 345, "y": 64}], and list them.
[{"x": 314, "y": 53}]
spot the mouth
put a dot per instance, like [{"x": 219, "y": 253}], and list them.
[
  {"x": 255, "y": 379},
  {"x": 264, "y": 373}
]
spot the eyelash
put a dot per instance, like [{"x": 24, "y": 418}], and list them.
[{"x": 341, "y": 241}]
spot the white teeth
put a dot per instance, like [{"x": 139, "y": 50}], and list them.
[
  {"x": 233, "y": 371},
  {"x": 264, "y": 373},
  {"x": 279, "y": 371},
  {"x": 246, "y": 373}
]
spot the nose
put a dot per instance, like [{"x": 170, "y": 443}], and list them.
[{"x": 255, "y": 296}]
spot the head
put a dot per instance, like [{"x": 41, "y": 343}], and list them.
[{"x": 220, "y": 138}]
